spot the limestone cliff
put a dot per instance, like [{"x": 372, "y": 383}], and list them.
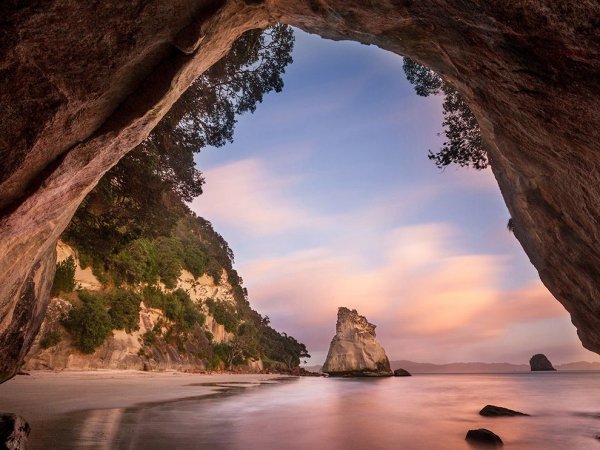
[
  {"x": 354, "y": 350},
  {"x": 84, "y": 82},
  {"x": 123, "y": 350}
]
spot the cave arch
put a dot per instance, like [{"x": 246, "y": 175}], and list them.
[{"x": 73, "y": 103}]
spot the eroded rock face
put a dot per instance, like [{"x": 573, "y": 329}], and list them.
[
  {"x": 14, "y": 431},
  {"x": 84, "y": 83},
  {"x": 127, "y": 350},
  {"x": 354, "y": 350},
  {"x": 540, "y": 363}
]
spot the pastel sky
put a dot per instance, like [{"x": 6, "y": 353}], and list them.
[{"x": 328, "y": 199}]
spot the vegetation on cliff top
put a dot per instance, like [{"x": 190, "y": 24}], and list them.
[{"x": 137, "y": 233}]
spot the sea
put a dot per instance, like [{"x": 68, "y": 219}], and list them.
[{"x": 422, "y": 412}]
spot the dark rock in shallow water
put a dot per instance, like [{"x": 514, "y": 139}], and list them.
[
  {"x": 402, "y": 373},
  {"x": 540, "y": 362},
  {"x": 483, "y": 436},
  {"x": 14, "y": 431},
  {"x": 497, "y": 411}
]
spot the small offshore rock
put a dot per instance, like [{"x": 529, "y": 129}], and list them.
[
  {"x": 540, "y": 363},
  {"x": 354, "y": 350},
  {"x": 484, "y": 436},
  {"x": 402, "y": 373},
  {"x": 498, "y": 411},
  {"x": 14, "y": 431}
]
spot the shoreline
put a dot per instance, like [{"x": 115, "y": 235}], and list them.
[{"x": 88, "y": 407}]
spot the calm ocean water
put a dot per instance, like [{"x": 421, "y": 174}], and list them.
[{"x": 420, "y": 412}]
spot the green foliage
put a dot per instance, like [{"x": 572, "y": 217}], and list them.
[
  {"x": 149, "y": 337},
  {"x": 124, "y": 310},
  {"x": 510, "y": 225},
  {"x": 176, "y": 305},
  {"x": 136, "y": 262},
  {"x": 89, "y": 323},
  {"x": 281, "y": 347},
  {"x": 64, "y": 277},
  {"x": 144, "y": 195},
  {"x": 183, "y": 311},
  {"x": 50, "y": 340},
  {"x": 463, "y": 145},
  {"x": 169, "y": 259},
  {"x": 135, "y": 229},
  {"x": 223, "y": 313}
]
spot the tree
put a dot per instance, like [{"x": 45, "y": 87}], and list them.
[
  {"x": 64, "y": 277},
  {"x": 464, "y": 145},
  {"x": 89, "y": 324},
  {"x": 124, "y": 310},
  {"x": 143, "y": 195}
]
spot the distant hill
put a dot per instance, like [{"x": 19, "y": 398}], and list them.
[
  {"x": 470, "y": 367},
  {"x": 580, "y": 365},
  {"x": 478, "y": 367}
]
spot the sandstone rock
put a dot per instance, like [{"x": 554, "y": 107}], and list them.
[
  {"x": 484, "y": 436},
  {"x": 83, "y": 83},
  {"x": 540, "y": 362},
  {"x": 127, "y": 351},
  {"x": 14, "y": 431},
  {"x": 402, "y": 373},
  {"x": 354, "y": 351},
  {"x": 498, "y": 411}
]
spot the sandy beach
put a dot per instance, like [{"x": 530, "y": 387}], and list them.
[{"x": 93, "y": 402}]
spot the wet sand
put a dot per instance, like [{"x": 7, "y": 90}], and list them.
[{"x": 86, "y": 408}]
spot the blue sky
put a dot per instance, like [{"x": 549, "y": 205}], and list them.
[{"x": 328, "y": 199}]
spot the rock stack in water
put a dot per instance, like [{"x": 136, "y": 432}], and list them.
[
  {"x": 540, "y": 362},
  {"x": 354, "y": 351}
]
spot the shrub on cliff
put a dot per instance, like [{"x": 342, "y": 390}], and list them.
[
  {"x": 64, "y": 277},
  {"x": 124, "y": 310},
  {"x": 89, "y": 323},
  {"x": 50, "y": 340},
  {"x": 223, "y": 313}
]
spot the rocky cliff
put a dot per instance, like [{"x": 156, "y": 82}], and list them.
[
  {"x": 540, "y": 362},
  {"x": 83, "y": 83},
  {"x": 354, "y": 350},
  {"x": 132, "y": 350}
]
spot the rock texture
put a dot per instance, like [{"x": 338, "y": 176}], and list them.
[
  {"x": 402, "y": 373},
  {"x": 485, "y": 437},
  {"x": 354, "y": 351},
  {"x": 540, "y": 363},
  {"x": 499, "y": 411},
  {"x": 14, "y": 431},
  {"x": 127, "y": 351},
  {"x": 84, "y": 82}
]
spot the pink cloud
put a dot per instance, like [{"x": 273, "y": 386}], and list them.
[
  {"x": 426, "y": 292},
  {"x": 246, "y": 195}
]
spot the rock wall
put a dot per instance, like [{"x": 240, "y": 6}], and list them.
[
  {"x": 83, "y": 83},
  {"x": 126, "y": 351},
  {"x": 354, "y": 350}
]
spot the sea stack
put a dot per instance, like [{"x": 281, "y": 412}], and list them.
[
  {"x": 540, "y": 362},
  {"x": 354, "y": 351}
]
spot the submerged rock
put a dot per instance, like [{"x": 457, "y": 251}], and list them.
[
  {"x": 354, "y": 351},
  {"x": 402, "y": 373},
  {"x": 484, "y": 436},
  {"x": 14, "y": 431},
  {"x": 540, "y": 362},
  {"x": 498, "y": 411}
]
